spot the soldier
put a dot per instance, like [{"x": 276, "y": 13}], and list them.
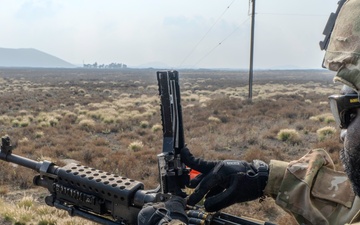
[{"x": 309, "y": 188}]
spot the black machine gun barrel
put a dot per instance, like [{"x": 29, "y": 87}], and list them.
[{"x": 6, "y": 155}]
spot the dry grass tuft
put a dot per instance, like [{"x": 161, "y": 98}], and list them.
[
  {"x": 136, "y": 146},
  {"x": 326, "y": 117},
  {"x": 290, "y": 135},
  {"x": 325, "y": 132},
  {"x": 144, "y": 124},
  {"x": 87, "y": 124},
  {"x": 214, "y": 119},
  {"x": 156, "y": 127}
]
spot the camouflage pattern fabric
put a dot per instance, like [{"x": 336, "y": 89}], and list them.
[
  {"x": 175, "y": 222},
  {"x": 311, "y": 190},
  {"x": 343, "y": 51},
  {"x": 342, "y": 56}
]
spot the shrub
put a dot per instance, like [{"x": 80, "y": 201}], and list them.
[
  {"x": 144, "y": 124},
  {"x": 24, "y": 123},
  {"x": 8, "y": 216},
  {"x": 106, "y": 91},
  {"x": 214, "y": 119},
  {"x": 24, "y": 140},
  {"x": 81, "y": 91},
  {"x": 290, "y": 135},
  {"x": 70, "y": 117},
  {"x": 47, "y": 221},
  {"x": 4, "y": 119},
  {"x": 108, "y": 119},
  {"x": 26, "y": 202},
  {"x": 87, "y": 124},
  {"x": 136, "y": 146},
  {"x": 23, "y": 112},
  {"x": 329, "y": 119},
  {"x": 156, "y": 127},
  {"x": 39, "y": 134},
  {"x": 325, "y": 132},
  {"x": 15, "y": 123},
  {"x": 44, "y": 124},
  {"x": 326, "y": 117}
]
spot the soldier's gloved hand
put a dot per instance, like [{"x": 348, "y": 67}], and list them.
[
  {"x": 170, "y": 212},
  {"x": 224, "y": 183}
]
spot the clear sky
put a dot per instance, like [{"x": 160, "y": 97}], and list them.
[{"x": 172, "y": 33}]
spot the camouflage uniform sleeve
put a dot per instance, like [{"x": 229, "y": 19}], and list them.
[
  {"x": 175, "y": 222},
  {"x": 312, "y": 191}
]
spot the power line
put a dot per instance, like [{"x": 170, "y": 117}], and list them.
[
  {"x": 277, "y": 14},
  {"x": 209, "y": 52},
  {"x": 249, "y": 14},
  {"x": 193, "y": 49}
]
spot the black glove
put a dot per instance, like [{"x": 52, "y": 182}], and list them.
[
  {"x": 163, "y": 212},
  {"x": 224, "y": 183}
]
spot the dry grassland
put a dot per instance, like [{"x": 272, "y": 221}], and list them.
[{"x": 110, "y": 120}]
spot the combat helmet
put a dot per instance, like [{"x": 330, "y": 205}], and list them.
[{"x": 343, "y": 52}]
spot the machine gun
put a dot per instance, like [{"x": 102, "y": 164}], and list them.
[
  {"x": 82, "y": 191},
  {"x": 110, "y": 199}
]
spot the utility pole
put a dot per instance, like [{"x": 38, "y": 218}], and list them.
[{"x": 251, "y": 48}]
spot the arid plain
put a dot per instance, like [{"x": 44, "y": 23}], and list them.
[{"x": 110, "y": 120}]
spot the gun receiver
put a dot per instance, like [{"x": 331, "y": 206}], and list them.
[{"x": 173, "y": 173}]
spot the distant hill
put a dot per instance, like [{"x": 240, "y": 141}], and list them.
[{"x": 29, "y": 57}]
